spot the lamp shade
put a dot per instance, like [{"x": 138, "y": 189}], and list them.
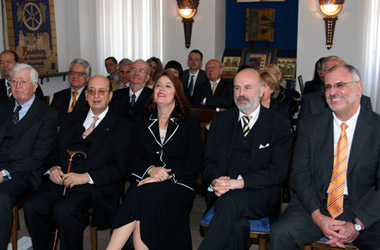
[{"x": 331, "y": 7}]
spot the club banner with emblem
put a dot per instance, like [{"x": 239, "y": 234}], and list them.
[{"x": 31, "y": 33}]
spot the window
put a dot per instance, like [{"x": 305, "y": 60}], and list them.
[
  {"x": 128, "y": 28},
  {"x": 371, "y": 49}
]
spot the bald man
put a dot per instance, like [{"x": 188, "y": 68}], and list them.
[
  {"x": 247, "y": 159},
  {"x": 93, "y": 182}
]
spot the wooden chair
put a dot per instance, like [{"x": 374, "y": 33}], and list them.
[
  {"x": 320, "y": 244},
  {"x": 205, "y": 117},
  {"x": 260, "y": 229},
  {"x": 16, "y": 226}
]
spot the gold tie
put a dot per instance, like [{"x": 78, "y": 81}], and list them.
[
  {"x": 338, "y": 179},
  {"x": 246, "y": 129},
  {"x": 213, "y": 87},
  {"x": 74, "y": 101}
]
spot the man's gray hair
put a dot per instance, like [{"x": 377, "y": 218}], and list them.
[
  {"x": 21, "y": 67},
  {"x": 125, "y": 62},
  {"x": 147, "y": 64},
  {"x": 355, "y": 74},
  {"x": 328, "y": 58},
  {"x": 82, "y": 62}
]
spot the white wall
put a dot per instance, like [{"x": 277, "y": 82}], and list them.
[
  {"x": 208, "y": 34},
  {"x": 311, "y": 36},
  {"x": 76, "y": 35}
]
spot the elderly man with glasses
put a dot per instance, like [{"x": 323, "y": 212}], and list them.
[
  {"x": 27, "y": 130},
  {"x": 93, "y": 182},
  {"x": 129, "y": 102},
  {"x": 73, "y": 98},
  {"x": 335, "y": 172}
]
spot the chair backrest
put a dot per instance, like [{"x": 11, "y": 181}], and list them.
[
  {"x": 205, "y": 117},
  {"x": 301, "y": 83}
]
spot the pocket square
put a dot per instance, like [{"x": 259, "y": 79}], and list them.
[{"x": 262, "y": 146}]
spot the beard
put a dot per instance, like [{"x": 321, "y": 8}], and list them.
[{"x": 251, "y": 105}]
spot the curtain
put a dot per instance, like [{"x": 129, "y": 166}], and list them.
[
  {"x": 128, "y": 29},
  {"x": 371, "y": 52}
]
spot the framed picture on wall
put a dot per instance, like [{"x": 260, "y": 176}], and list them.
[
  {"x": 230, "y": 66},
  {"x": 251, "y": 1},
  {"x": 258, "y": 58},
  {"x": 288, "y": 67}
]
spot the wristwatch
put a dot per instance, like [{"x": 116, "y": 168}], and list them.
[
  {"x": 4, "y": 174},
  {"x": 357, "y": 226}
]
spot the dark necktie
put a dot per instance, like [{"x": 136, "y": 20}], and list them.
[
  {"x": 246, "y": 129},
  {"x": 133, "y": 100},
  {"x": 9, "y": 92},
  {"x": 191, "y": 85},
  {"x": 14, "y": 118}
]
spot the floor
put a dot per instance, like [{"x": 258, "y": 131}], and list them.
[{"x": 104, "y": 236}]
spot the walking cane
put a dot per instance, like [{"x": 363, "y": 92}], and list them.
[{"x": 71, "y": 155}]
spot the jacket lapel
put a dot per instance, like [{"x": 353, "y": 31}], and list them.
[
  {"x": 362, "y": 133},
  {"x": 106, "y": 126}
]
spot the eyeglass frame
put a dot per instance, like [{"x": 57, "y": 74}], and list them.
[
  {"x": 101, "y": 92},
  {"x": 338, "y": 85},
  {"x": 77, "y": 73}
]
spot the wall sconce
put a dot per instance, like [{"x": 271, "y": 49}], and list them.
[
  {"x": 331, "y": 9},
  {"x": 187, "y": 9}
]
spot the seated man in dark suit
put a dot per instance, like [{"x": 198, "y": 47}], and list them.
[
  {"x": 73, "y": 99},
  {"x": 247, "y": 159},
  {"x": 27, "y": 131},
  {"x": 194, "y": 75},
  {"x": 215, "y": 93},
  {"x": 124, "y": 72},
  {"x": 130, "y": 102},
  {"x": 8, "y": 59},
  {"x": 93, "y": 182},
  {"x": 336, "y": 172},
  {"x": 315, "y": 102}
]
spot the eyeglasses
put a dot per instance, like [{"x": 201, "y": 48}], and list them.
[
  {"x": 142, "y": 71},
  {"x": 22, "y": 82},
  {"x": 193, "y": 59},
  {"x": 76, "y": 73},
  {"x": 338, "y": 85},
  {"x": 101, "y": 92}
]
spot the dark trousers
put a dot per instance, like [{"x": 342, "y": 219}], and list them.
[
  {"x": 295, "y": 228},
  {"x": 10, "y": 192},
  {"x": 67, "y": 211},
  {"x": 229, "y": 228}
]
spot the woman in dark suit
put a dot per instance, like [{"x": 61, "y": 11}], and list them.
[
  {"x": 164, "y": 158},
  {"x": 271, "y": 90}
]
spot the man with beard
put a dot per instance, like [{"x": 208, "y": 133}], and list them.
[
  {"x": 247, "y": 159},
  {"x": 336, "y": 172}
]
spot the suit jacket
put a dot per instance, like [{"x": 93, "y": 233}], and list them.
[
  {"x": 4, "y": 96},
  {"x": 105, "y": 161},
  {"x": 33, "y": 138},
  {"x": 315, "y": 102},
  {"x": 270, "y": 154},
  {"x": 313, "y": 163},
  {"x": 121, "y": 103},
  {"x": 115, "y": 84},
  {"x": 202, "y": 77},
  {"x": 222, "y": 98},
  {"x": 61, "y": 101},
  {"x": 181, "y": 151}
]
